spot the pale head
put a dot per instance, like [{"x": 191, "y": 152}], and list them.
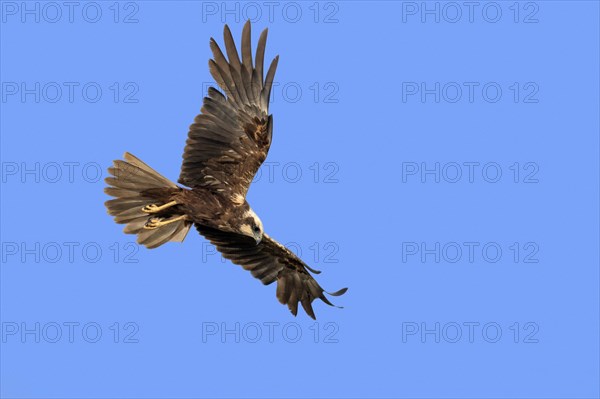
[{"x": 252, "y": 226}]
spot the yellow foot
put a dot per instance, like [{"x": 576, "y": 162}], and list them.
[
  {"x": 153, "y": 208},
  {"x": 155, "y": 223}
]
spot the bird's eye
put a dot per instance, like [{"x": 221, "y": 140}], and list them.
[{"x": 256, "y": 229}]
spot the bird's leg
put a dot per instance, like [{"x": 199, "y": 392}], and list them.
[
  {"x": 155, "y": 223},
  {"x": 153, "y": 208}
]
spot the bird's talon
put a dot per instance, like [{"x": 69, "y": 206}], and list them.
[
  {"x": 153, "y": 223},
  {"x": 149, "y": 208},
  {"x": 153, "y": 208}
]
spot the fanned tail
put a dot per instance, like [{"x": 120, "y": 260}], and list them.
[{"x": 134, "y": 186}]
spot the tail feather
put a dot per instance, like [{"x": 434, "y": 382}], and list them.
[
  {"x": 156, "y": 237},
  {"x": 133, "y": 160},
  {"x": 135, "y": 185}
]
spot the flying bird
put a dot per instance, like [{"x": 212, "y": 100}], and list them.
[{"x": 226, "y": 145}]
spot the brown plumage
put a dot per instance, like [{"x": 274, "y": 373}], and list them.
[{"x": 226, "y": 145}]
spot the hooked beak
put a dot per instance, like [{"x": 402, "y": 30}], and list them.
[{"x": 258, "y": 238}]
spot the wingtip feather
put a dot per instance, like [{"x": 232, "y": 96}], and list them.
[{"x": 338, "y": 292}]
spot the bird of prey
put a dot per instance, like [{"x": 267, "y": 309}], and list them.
[{"x": 226, "y": 145}]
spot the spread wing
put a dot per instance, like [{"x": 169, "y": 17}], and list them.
[
  {"x": 269, "y": 261},
  {"x": 231, "y": 137}
]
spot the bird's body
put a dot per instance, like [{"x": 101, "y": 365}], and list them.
[
  {"x": 208, "y": 208},
  {"x": 226, "y": 145}
]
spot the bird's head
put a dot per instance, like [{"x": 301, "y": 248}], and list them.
[{"x": 251, "y": 226}]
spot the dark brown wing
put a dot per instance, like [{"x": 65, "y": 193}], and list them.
[
  {"x": 270, "y": 261},
  {"x": 231, "y": 137}
]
